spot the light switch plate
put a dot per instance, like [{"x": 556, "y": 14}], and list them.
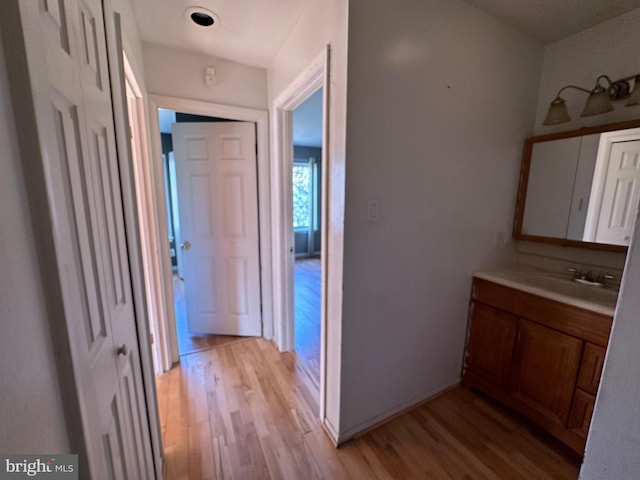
[{"x": 373, "y": 210}]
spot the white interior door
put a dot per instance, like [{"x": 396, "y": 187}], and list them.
[
  {"x": 621, "y": 194},
  {"x": 74, "y": 126},
  {"x": 218, "y": 206}
]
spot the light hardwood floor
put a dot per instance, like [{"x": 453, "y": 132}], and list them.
[
  {"x": 307, "y": 314},
  {"x": 245, "y": 411}
]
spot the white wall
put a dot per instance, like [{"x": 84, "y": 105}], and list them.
[
  {"x": 180, "y": 74},
  {"x": 610, "y": 48},
  {"x": 324, "y": 22},
  {"x": 31, "y": 412},
  {"x": 614, "y": 437},
  {"x": 439, "y": 103}
]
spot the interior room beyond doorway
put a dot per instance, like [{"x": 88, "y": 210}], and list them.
[
  {"x": 189, "y": 340},
  {"x": 307, "y": 235}
]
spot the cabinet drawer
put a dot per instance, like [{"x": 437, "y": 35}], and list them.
[
  {"x": 591, "y": 368},
  {"x": 581, "y": 413}
]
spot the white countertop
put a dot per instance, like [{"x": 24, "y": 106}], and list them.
[{"x": 554, "y": 286}]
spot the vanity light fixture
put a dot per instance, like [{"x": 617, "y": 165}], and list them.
[
  {"x": 634, "y": 99},
  {"x": 599, "y": 100}
]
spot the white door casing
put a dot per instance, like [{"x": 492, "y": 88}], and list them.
[
  {"x": 71, "y": 155},
  {"x": 218, "y": 206},
  {"x": 313, "y": 77},
  {"x": 148, "y": 226},
  {"x": 621, "y": 194}
]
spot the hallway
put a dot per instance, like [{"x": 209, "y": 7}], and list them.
[{"x": 244, "y": 411}]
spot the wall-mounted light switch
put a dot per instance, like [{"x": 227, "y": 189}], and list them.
[{"x": 373, "y": 210}]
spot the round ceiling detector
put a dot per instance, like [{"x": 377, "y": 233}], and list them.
[{"x": 201, "y": 16}]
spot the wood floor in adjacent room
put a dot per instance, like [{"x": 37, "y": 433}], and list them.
[
  {"x": 245, "y": 411},
  {"x": 307, "y": 315}
]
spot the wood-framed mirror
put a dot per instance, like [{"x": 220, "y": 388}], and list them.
[{"x": 581, "y": 187}]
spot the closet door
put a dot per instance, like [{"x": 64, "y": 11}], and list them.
[{"x": 67, "y": 99}]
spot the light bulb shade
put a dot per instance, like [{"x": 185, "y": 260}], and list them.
[
  {"x": 597, "y": 103},
  {"x": 557, "y": 113},
  {"x": 634, "y": 99}
]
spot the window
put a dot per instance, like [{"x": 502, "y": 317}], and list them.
[{"x": 302, "y": 195}]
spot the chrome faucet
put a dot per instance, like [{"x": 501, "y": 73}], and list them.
[
  {"x": 603, "y": 277},
  {"x": 599, "y": 280},
  {"x": 577, "y": 274}
]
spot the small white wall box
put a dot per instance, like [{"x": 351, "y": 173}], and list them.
[{"x": 210, "y": 77}]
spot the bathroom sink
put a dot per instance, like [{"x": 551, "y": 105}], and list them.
[
  {"x": 565, "y": 286},
  {"x": 555, "y": 286}
]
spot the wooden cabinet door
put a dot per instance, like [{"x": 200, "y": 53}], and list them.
[
  {"x": 490, "y": 343},
  {"x": 544, "y": 370}
]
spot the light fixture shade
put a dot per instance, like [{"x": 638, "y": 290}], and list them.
[
  {"x": 634, "y": 99},
  {"x": 557, "y": 113},
  {"x": 597, "y": 103}
]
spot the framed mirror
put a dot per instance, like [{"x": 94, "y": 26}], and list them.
[{"x": 581, "y": 187}]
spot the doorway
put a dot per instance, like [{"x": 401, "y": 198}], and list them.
[
  {"x": 307, "y": 236},
  {"x": 171, "y": 287},
  {"x": 211, "y": 199}
]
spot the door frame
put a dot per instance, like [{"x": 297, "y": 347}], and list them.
[
  {"x": 313, "y": 77},
  {"x": 148, "y": 222},
  {"x": 260, "y": 118}
]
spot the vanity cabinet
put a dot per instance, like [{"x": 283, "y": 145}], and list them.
[{"x": 539, "y": 356}]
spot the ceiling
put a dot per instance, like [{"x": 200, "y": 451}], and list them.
[
  {"x": 552, "y": 20},
  {"x": 249, "y": 31},
  {"x": 307, "y": 122}
]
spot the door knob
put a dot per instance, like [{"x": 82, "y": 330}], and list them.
[
  {"x": 122, "y": 350},
  {"x": 185, "y": 245}
]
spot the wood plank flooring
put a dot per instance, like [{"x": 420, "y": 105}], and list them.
[
  {"x": 307, "y": 314},
  {"x": 245, "y": 411}
]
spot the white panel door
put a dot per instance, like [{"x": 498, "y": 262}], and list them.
[
  {"x": 75, "y": 130},
  {"x": 218, "y": 207},
  {"x": 621, "y": 194}
]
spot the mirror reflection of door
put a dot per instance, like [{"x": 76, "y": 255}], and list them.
[
  {"x": 307, "y": 214},
  {"x": 620, "y": 194}
]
